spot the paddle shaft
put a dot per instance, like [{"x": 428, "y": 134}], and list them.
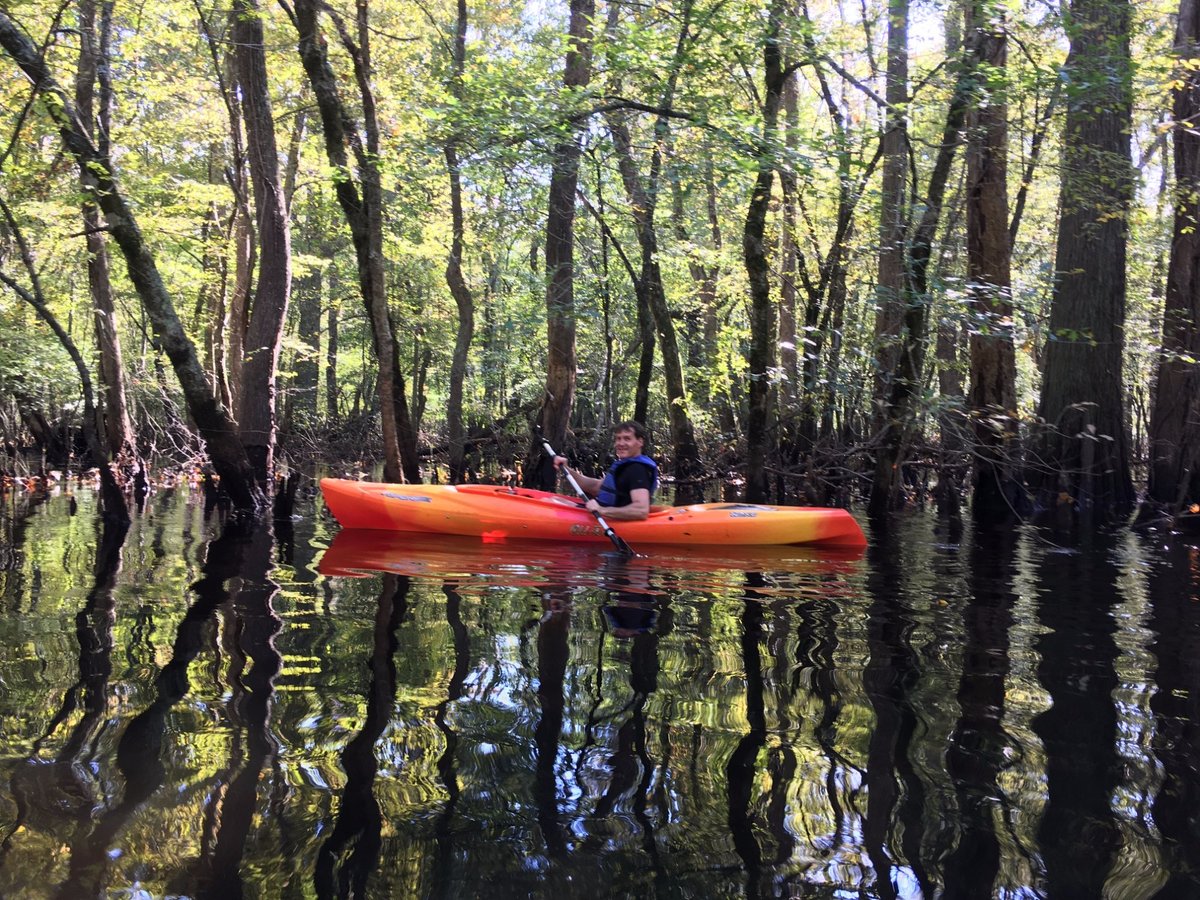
[{"x": 617, "y": 540}]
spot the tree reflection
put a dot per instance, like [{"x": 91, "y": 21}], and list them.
[
  {"x": 347, "y": 859},
  {"x": 252, "y": 639},
  {"x": 976, "y": 754},
  {"x": 740, "y": 770},
  {"x": 553, "y": 628},
  {"x": 895, "y": 793},
  {"x": 65, "y": 778},
  {"x": 139, "y": 750},
  {"x": 1175, "y": 620},
  {"x": 1078, "y": 836},
  {"x": 447, "y": 764}
]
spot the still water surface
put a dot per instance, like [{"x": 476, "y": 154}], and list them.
[{"x": 186, "y": 710}]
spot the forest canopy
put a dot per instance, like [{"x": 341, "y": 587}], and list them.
[{"x": 825, "y": 251}]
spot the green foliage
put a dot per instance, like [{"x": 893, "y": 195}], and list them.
[{"x": 174, "y": 154}]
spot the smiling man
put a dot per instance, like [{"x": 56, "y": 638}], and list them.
[{"x": 624, "y": 491}]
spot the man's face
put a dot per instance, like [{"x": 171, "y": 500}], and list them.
[{"x": 627, "y": 444}]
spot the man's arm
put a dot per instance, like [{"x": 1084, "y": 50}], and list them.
[{"x": 637, "y": 508}]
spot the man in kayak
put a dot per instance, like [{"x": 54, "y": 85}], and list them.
[{"x": 623, "y": 494}]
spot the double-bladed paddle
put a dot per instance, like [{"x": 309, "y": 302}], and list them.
[{"x": 617, "y": 540}]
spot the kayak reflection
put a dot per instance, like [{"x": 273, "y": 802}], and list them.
[{"x": 515, "y": 563}]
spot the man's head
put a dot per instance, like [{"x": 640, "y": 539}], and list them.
[{"x": 629, "y": 439}]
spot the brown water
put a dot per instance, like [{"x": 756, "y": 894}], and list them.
[{"x": 191, "y": 711}]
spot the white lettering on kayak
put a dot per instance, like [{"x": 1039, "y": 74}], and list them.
[
  {"x": 587, "y": 529},
  {"x": 411, "y": 498},
  {"x": 743, "y": 515}
]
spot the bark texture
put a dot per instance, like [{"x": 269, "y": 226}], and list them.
[
  {"x": 463, "y": 299},
  {"x": 893, "y": 217},
  {"x": 993, "y": 358},
  {"x": 272, "y": 291},
  {"x": 763, "y": 333},
  {"x": 1175, "y": 415},
  {"x": 361, "y": 201},
  {"x": 1081, "y": 464}
]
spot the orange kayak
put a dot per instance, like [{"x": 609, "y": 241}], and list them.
[{"x": 497, "y": 513}]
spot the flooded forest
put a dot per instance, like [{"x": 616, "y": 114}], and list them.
[{"x": 935, "y": 264}]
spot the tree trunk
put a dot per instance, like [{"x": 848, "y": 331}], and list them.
[
  {"x": 893, "y": 217},
  {"x": 559, "y": 398},
  {"x": 455, "y": 427},
  {"x": 1174, "y": 423},
  {"x": 256, "y": 412},
  {"x": 331, "y": 354},
  {"x": 905, "y": 385},
  {"x": 763, "y": 333},
  {"x": 214, "y": 421},
  {"x": 789, "y": 339},
  {"x": 362, "y": 205},
  {"x": 643, "y": 197},
  {"x": 993, "y": 394},
  {"x": 93, "y": 66},
  {"x": 1082, "y": 455},
  {"x": 303, "y": 405}
]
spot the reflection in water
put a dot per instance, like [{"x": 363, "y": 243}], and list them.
[
  {"x": 1175, "y": 603},
  {"x": 978, "y": 746},
  {"x": 552, "y": 654},
  {"x": 349, "y": 856},
  {"x": 964, "y": 714},
  {"x": 140, "y": 748},
  {"x": 895, "y": 793},
  {"x": 251, "y": 641},
  {"x": 447, "y": 764},
  {"x": 1078, "y": 836},
  {"x": 740, "y": 772}
]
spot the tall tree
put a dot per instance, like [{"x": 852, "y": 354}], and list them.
[
  {"x": 214, "y": 421},
  {"x": 993, "y": 395},
  {"x": 256, "y": 412},
  {"x": 1175, "y": 415},
  {"x": 893, "y": 216},
  {"x": 1082, "y": 455},
  {"x": 643, "y": 192},
  {"x": 903, "y": 390},
  {"x": 360, "y": 194},
  {"x": 463, "y": 298},
  {"x": 763, "y": 335},
  {"x": 559, "y": 396},
  {"x": 94, "y": 69}
]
